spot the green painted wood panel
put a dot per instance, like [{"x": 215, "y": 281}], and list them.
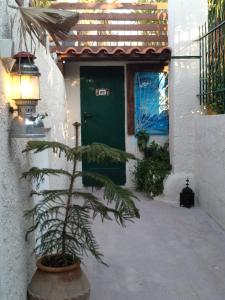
[{"x": 103, "y": 116}]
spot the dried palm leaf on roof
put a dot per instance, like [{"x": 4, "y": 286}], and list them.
[
  {"x": 40, "y": 3},
  {"x": 36, "y": 21}
]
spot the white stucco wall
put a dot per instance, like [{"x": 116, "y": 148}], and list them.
[
  {"x": 184, "y": 20},
  {"x": 15, "y": 255},
  {"x": 53, "y": 102},
  {"x": 16, "y": 261},
  {"x": 210, "y": 165}
]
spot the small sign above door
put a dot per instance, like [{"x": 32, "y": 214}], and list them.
[{"x": 102, "y": 92}]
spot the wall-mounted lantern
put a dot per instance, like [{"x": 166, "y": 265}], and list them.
[{"x": 26, "y": 94}]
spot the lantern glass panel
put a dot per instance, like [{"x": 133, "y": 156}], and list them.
[{"x": 25, "y": 87}]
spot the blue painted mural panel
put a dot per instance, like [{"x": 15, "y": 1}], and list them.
[{"x": 151, "y": 103}]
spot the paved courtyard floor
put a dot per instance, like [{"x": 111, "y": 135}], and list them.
[{"x": 171, "y": 253}]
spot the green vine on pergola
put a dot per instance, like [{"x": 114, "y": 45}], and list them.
[{"x": 216, "y": 10}]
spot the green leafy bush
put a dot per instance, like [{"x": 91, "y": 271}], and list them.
[
  {"x": 152, "y": 170},
  {"x": 142, "y": 139}
]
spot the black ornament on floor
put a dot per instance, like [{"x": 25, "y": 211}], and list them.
[{"x": 187, "y": 196}]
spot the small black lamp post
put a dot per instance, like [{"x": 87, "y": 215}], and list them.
[{"x": 187, "y": 196}]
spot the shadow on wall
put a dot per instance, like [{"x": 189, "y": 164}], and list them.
[
  {"x": 54, "y": 104},
  {"x": 53, "y": 97}
]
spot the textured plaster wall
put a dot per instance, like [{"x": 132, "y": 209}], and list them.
[
  {"x": 184, "y": 20},
  {"x": 16, "y": 261},
  {"x": 72, "y": 81},
  {"x": 53, "y": 103},
  {"x": 210, "y": 165}
]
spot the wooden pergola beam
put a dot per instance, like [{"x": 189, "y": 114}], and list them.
[
  {"x": 110, "y": 6},
  {"x": 120, "y": 27}
]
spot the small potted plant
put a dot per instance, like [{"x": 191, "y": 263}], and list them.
[
  {"x": 142, "y": 140},
  {"x": 62, "y": 218}
]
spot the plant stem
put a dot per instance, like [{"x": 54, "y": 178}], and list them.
[
  {"x": 68, "y": 202},
  {"x": 76, "y": 125}
]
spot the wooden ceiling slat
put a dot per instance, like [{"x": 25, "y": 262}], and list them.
[
  {"x": 120, "y": 27},
  {"x": 123, "y": 16},
  {"x": 109, "y": 6}
]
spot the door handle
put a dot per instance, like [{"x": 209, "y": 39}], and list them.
[{"x": 86, "y": 116}]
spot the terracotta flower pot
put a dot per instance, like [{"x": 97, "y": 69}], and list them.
[{"x": 64, "y": 283}]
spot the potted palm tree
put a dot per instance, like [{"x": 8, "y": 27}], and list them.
[{"x": 62, "y": 218}]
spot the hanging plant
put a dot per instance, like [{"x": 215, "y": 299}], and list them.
[
  {"x": 142, "y": 140},
  {"x": 150, "y": 172},
  {"x": 216, "y": 10},
  {"x": 40, "y": 3}
]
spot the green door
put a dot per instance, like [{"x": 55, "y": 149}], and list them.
[{"x": 102, "y": 116}]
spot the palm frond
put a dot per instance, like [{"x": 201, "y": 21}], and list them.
[
  {"x": 56, "y": 147},
  {"x": 40, "y": 3},
  {"x": 37, "y": 21},
  {"x": 55, "y": 194},
  {"x": 79, "y": 217},
  {"x": 38, "y": 175},
  {"x": 51, "y": 203},
  {"x": 103, "y": 153},
  {"x": 113, "y": 193},
  {"x": 93, "y": 204},
  {"x": 40, "y": 214}
]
